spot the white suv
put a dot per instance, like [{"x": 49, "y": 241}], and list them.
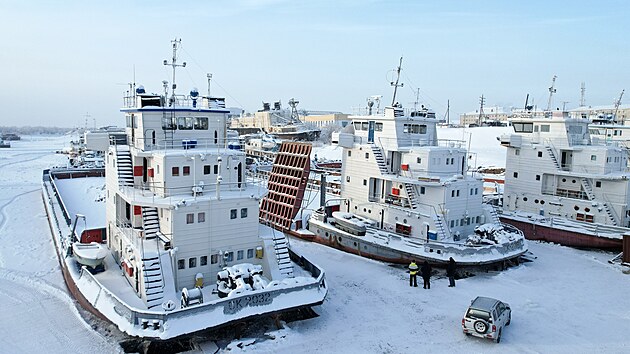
[{"x": 486, "y": 318}]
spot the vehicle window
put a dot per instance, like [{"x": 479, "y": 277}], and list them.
[
  {"x": 494, "y": 312},
  {"x": 484, "y": 315},
  {"x": 501, "y": 308}
]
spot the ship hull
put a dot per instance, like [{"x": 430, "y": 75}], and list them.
[{"x": 537, "y": 232}]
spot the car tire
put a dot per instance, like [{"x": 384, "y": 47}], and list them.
[
  {"x": 498, "y": 340},
  {"x": 480, "y": 326}
]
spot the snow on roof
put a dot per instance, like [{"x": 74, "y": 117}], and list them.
[{"x": 84, "y": 196}]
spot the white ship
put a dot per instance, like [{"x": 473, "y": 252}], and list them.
[
  {"x": 563, "y": 186},
  {"x": 418, "y": 194},
  {"x": 180, "y": 225}
]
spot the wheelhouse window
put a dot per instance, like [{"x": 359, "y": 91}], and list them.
[
  {"x": 206, "y": 169},
  {"x": 190, "y": 218},
  {"x": 192, "y": 262},
  {"x": 378, "y": 127},
  {"x": 175, "y": 171},
  {"x": 233, "y": 214},
  {"x": 186, "y": 171},
  {"x": 201, "y": 123},
  {"x": 239, "y": 255},
  {"x": 523, "y": 127},
  {"x": 243, "y": 212},
  {"x": 201, "y": 217},
  {"x": 185, "y": 123},
  {"x": 181, "y": 264},
  {"x": 203, "y": 261}
]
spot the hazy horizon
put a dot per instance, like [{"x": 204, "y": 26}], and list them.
[{"x": 63, "y": 60}]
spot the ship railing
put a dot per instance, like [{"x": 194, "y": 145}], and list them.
[
  {"x": 62, "y": 205},
  {"x": 158, "y": 193},
  {"x": 191, "y": 144},
  {"x": 180, "y": 101},
  {"x": 401, "y": 142},
  {"x": 135, "y": 316}
]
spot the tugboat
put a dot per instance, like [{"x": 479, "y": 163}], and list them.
[
  {"x": 180, "y": 223},
  {"x": 563, "y": 186},
  {"x": 416, "y": 192}
]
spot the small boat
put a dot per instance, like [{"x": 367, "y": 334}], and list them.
[
  {"x": 351, "y": 223},
  {"x": 89, "y": 254}
]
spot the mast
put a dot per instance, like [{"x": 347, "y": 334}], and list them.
[
  {"x": 209, "y": 79},
  {"x": 617, "y": 104},
  {"x": 582, "y": 91},
  {"x": 448, "y": 112},
  {"x": 173, "y": 64},
  {"x": 396, "y": 85},
  {"x": 552, "y": 90},
  {"x": 482, "y": 100}
]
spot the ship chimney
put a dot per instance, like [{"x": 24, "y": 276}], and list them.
[{"x": 219, "y": 179}]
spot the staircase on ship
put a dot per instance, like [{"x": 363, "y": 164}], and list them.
[{"x": 152, "y": 273}]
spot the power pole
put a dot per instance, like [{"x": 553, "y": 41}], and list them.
[{"x": 482, "y": 101}]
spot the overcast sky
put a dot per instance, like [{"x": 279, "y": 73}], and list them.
[{"x": 63, "y": 59}]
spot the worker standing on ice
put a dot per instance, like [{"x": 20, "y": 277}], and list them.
[
  {"x": 413, "y": 271},
  {"x": 426, "y": 275}
]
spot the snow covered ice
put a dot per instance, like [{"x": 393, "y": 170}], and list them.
[{"x": 565, "y": 301}]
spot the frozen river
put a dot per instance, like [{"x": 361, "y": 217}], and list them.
[{"x": 565, "y": 301}]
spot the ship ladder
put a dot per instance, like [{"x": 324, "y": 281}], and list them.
[
  {"x": 125, "y": 167},
  {"x": 280, "y": 245},
  {"x": 380, "y": 160}
]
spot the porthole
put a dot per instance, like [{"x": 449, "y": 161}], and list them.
[
  {"x": 356, "y": 207},
  {"x": 404, "y": 221},
  {"x": 542, "y": 202},
  {"x": 355, "y": 244},
  {"x": 536, "y": 201},
  {"x": 369, "y": 211},
  {"x": 396, "y": 218},
  {"x": 564, "y": 180},
  {"x": 326, "y": 233},
  {"x": 524, "y": 199},
  {"x": 573, "y": 181},
  {"x": 587, "y": 209},
  {"x": 576, "y": 207},
  {"x": 364, "y": 210},
  {"x": 339, "y": 239}
]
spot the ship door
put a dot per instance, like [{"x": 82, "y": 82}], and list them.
[
  {"x": 144, "y": 169},
  {"x": 371, "y": 131},
  {"x": 240, "y": 174},
  {"x": 566, "y": 160}
]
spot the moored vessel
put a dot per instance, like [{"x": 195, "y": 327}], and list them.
[{"x": 179, "y": 220}]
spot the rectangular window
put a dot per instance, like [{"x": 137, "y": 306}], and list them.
[
  {"x": 192, "y": 262},
  {"x": 250, "y": 253},
  {"x": 214, "y": 259},
  {"x": 538, "y": 177},
  {"x": 365, "y": 182},
  {"x": 157, "y": 169},
  {"x": 230, "y": 256},
  {"x": 349, "y": 153},
  {"x": 243, "y": 212},
  {"x": 418, "y": 159},
  {"x": 515, "y": 174},
  {"x": 364, "y": 125},
  {"x": 539, "y": 153},
  {"x": 181, "y": 264},
  {"x": 216, "y": 169},
  {"x": 523, "y": 127},
  {"x": 367, "y": 155},
  {"x": 201, "y": 123},
  {"x": 544, "y": 128},
  {"x": 422, "y": 190},
  {"x": 201, "y": 217},
  {"x": 347, "y": 178},
  {"x": 598, "y": 184},
  {"x": 378, "y": 127},
  {"x": 233, "y": 214},
  {"x": 186, "y": 171},
  {"x": 175, "y": 171},
  {"x": 203, "y": 260},
  {"x": 457, "y": 194},
  {"x": 239, "y": 255},
  {"x": 190, "y": 218},
  {"x": 206, "y": 169},
  {"x": 185, "y": 123},
  {"x": 517, "y": 152},
  {"x": 452, "y": 223},
  {"x": 453, "y": 194},
  {"x": 476, "y": 191}
]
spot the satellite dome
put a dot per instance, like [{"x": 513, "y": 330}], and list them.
[
  {"x": 194, "y": 92},
  {"x": 140, "y": 90}
]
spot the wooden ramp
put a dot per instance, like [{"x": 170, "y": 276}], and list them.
[{"x": 286, "y": 185}]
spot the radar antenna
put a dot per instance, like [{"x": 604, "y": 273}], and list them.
[
  {"x": 396, "y": 84},
  {"x": 552, "y": 90},
  {"x": 176, "y": 43}
]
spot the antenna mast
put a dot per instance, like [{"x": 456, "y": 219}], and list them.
[
  {"x": 209, "y": 78},
  {"x": 396, "y": 85},
  {"x": 582, "y": 92},
  {"x": 552, "y": 90},
  {"x": 295, "y": 118},
  {"x": 173, "y": 63},
  {"x": 448, "y": 112},
  {"x": 617, "y": 104}
]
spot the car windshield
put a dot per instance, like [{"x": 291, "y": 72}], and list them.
[{"x": 484, "y": 315}]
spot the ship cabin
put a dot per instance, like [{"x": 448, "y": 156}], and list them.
[
  {"x": 178, "y": 205},
  {"x": 555, "y": 168},
  {"x": 397, "y": 172}
]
